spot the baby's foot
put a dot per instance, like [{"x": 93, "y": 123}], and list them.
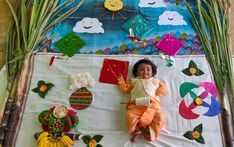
[
  {"x": 146, "y": 134},
  {"x": 135, "y": 136}
]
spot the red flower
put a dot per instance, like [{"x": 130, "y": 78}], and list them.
[
  {"x": 70, "y": 111},
  {"x": 66, "y": 129},
  {"x": 45, "y": 127}
]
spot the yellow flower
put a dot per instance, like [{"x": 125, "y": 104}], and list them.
[
  {"x": 198, "y": 101},
  {"x": 196, "y": 134},
  {"x": 92, "y": 143},
  {"x": 43, "y": 88},
  {"x": 192, "y": 70}
]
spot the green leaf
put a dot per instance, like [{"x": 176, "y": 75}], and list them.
[
  {"x": 188, "y": 135},
  {"x": 97, "y": 137},
  {"x": 192, "y": 64},
  {"x": 186, "y": 72},
  {"x": 199, "y": 72},
  {"x": 198, "y": 128},
  {"x": 86, "y": 139},
  {"x": 36, "y": 90},
  {"x": 200, "y": 140},
  {"x": 41, "y": 82},
  {"x": 186, "y": 87},
  {"x": 42, "y": 94},
  {"x": 98, "y": 145},
  {"x": 49, "y": 85}
]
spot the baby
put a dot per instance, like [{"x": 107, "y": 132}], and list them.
[{"x": 144, "y": 114}]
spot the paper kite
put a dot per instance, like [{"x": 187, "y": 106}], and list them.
[
  {"x": 170, "y": 45},
  {"x": 140, "y": 26},
  {"x": 111, "y": 69},
  {"x": 70, "y": 44}
]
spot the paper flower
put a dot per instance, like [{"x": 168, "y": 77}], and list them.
[
  {"x": 81, "y": 80},
  {"x": 196, "y": 134},
  {"x": 192, "y": 69},
  {"x": 42, "y": 88},
  {"x": 92, "y": 141},
  {"x": 214, "y": 107}
]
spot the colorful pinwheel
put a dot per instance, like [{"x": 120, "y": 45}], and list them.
[{"x": 210, "y": 91}]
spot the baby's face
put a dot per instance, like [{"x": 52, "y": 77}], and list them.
[{"x": 144, "y": 71}]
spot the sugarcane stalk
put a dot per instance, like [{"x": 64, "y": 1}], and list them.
[
  {"x": 212, "y": 27},
  {"x": 29, "y": 24}
]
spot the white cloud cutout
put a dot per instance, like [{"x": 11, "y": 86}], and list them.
[
  {"x": 171, "y": 18},
  {"x": 152, "y": 3},
  {"x": 88, "y": 25}
]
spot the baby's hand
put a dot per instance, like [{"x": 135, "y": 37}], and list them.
[{"x": 120, "y": 77}]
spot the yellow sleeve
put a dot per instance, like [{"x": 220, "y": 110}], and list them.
[
  {"x": 123, "y": 86},
  {"x": 162, "y": 89}
]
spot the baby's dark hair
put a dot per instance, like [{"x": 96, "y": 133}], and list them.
[{"x": 145, "y": 61}]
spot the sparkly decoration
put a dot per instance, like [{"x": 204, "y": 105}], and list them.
[
  {"x": 81, "y": 99},
  {"x": 170, "y": 45},
  {"x": 214, "y": 107},
  {"x": 42, "y": 88},
  {"x": 140, "y": 26},
  {"x": 192, "y": 69},
  {"x": 70, "y": 44},
  {"x": 170, "y": 60},
  {"x": 92, "y": 141},
  {"x": 196, "y": 134}
]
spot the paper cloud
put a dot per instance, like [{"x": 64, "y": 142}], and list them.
[
  {"x": 88, "y": 25},
  {"x": 171, "y": 18},
  {"x": 152, "y": 3}
]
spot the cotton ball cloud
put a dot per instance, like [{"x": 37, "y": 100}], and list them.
[
  {"x": 152, "y": 3},
  {"x": 171, "y": 18},
  {"x": 88, "y": 25}
]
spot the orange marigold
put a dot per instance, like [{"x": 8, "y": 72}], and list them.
[
  {"x": 196, "y": 134},
  {"x": 92, "y": 143},
  {"x": 43, "y": 88}
]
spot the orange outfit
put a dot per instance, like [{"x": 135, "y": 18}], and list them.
[{"x": 144, "y": 116}]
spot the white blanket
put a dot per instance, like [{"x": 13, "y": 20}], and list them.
[{"x": 106, "y": 115}]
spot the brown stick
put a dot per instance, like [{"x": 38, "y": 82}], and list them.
[{"x": 226, "y": 128}]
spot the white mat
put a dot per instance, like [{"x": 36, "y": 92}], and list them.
[{"x": 106, "y": 115}]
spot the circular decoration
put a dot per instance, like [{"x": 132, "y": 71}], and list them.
[
  {"x": 113, "y": 5},
  {"x": 81, "y": 99},
  {"x": 71, "y": 120},
  {"x": 55, "y": 125},
  {"x": 44, "y": 116},
  {"x": 58, "y": 119},
  {"x": 60, "y": 111}
]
